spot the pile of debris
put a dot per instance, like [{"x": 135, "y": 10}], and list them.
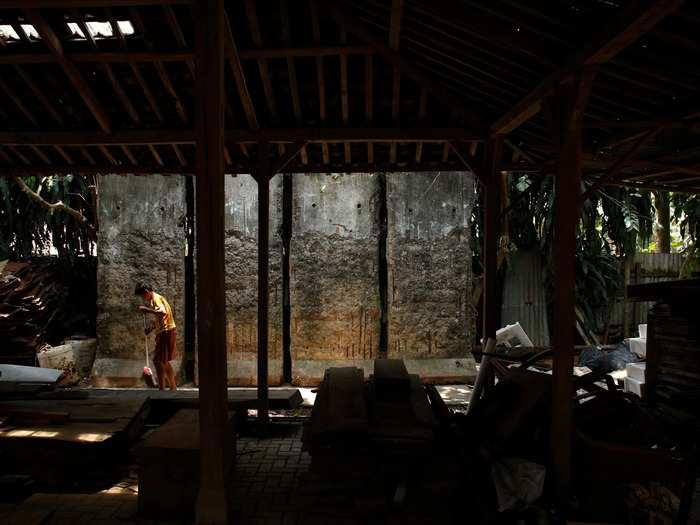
[
  {"x": 43, "y": 302},
  {"x": 32, "y": 306}
]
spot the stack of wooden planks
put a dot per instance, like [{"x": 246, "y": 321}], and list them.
[
  {"x": 32, "y": 305},
  {"x": 390, "y": 413}
]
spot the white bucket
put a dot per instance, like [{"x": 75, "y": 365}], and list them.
[{"x": 74, "y": 357}]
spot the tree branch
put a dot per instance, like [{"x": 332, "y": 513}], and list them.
[{"x": 57, "y": 206}]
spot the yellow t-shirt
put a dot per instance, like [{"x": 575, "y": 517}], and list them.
[{"x": 163, "y": 322}]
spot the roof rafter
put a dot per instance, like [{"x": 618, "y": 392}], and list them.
[
  {"x": 404, "y": 65},
  {"x": 52, "y": 41},
  {"x": 630, "y": 25}
]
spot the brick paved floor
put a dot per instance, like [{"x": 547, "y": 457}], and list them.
[{"x": 271, "y": 484}]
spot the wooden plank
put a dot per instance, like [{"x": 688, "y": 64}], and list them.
[
  {"x": 160, "y": 66},
  {"x": 109, "y": 72},
  {"x": 234, "y": 62},
  {"x": 52, "y": 41},
  {"x": 18, "y": 102},
  {"x": 303, "y": 52},
  {"x": 40, "y": 4},
  {"x": 632, "y": 23},
  {"x": 211, "y": 300},
  {"x": 405, "y": 66},
  {"x": 282, "y": 135},
  {"x": 492, "y": 209},
  {"x": 615, "y": 169},
  {"x": 262, "y": 62},
  {"x": 394, "y": 39},
  {"x": 100, "y": 57},
  {"x": 39, "y": 94},
  {"x": 568, "y": 183},
  {"x": 291, "y": 68},
  {"x": 263, "y": 175}
]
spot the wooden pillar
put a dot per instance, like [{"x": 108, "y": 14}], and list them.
[
  {"x": 211, "y": 301},
  {"x": 571, "y": 104},
  {"x": 263, "y": 176},
  {"x": 492, "y": 213}
]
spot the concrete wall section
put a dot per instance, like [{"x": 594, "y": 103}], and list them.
[
  {"x": 334, "y": 288},
  {"x": 141, "y": 239},
  {"x": 241, "y": 221},
  {"x": 429, "y": 264}
]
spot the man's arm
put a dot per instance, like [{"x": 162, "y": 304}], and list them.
[{"x": 153, "y": 311}]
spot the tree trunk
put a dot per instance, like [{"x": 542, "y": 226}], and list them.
[{"x": 662, "y": 226}]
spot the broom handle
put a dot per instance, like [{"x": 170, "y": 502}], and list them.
[{"x": 145, "y": 338}]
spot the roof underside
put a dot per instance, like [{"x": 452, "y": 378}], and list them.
[{"x": 376, "y": 85}]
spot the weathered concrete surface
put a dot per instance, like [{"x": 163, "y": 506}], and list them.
[
  {"x": 309, "y": 372},
  {"x": 334, "y": 288},
  {"x": 429, "y": 263},
  {"x": 141, "y": 239},
  {"x": 241, "y": 222}
]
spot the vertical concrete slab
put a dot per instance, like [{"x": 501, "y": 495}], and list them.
[
  {"x": 334, "y": 285},
  {"x": 429, "y": 265},
  {"x": 242, "y": 279},
  {"x": 141, "y": 238}
]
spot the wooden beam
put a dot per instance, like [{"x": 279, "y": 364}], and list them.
[
  {"x": 320, "y": 76},
  {"x": 303, "y": 52},
  {"x": 18, "y": 102},
  {"x": 291, "y": 68},
  {"x": 252, "y": 16},
  {"x": 631, "y": 24},
  {"x": 344, "y": 102},
  {"x": 568, "y": 182},
  {"x": 39, "y": 94},
  {"x": 99, "y": 56},
  {"x": 280, "y": 164},
  {"x": 492, "y": 208},
  {"x": 273, "y": 135},
  {"x": 41, "y": 4},
  {"x": 238, "y": 75},
  {"x": 394, "y": 40},
  {"x": 160, "y": 66},
  {"x": 405, "y": 66},
  {"x": 52, "y": 41},
  {"x": 211, "y": 505},
  {"x": 263, "y": 175},
  {"x": 612, "y": 172},
  {"x": 109, "y": 72},
  {"x": 178, "y": 34},
  {"x": 470, "y": 162},
  {"x": 369, "y": 100}
]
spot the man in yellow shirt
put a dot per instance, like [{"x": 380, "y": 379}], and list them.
[{"x": 164, "y": 327}]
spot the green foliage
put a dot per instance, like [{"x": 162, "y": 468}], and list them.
[
  {"x": 28, "y": 228},
  {"x": 612, "y": 224}
]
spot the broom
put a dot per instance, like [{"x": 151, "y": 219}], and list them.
[{"x": 147, "y": 372}]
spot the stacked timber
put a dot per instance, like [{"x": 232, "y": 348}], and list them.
[
  {"x": 677, "y": 364},
  {"x": 340, "y": 410},
  {"x": 32, "y": 306},
  {"x": 390, "y": 413}
]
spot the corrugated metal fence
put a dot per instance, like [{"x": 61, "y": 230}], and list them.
[
  {"x": 643, "y": 268},
  {"x": 524, "y": 295}
]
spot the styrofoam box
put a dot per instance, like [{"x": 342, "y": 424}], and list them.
[
  {"x": 637, "y": 371},
  {"x": 634, "y": 386}
]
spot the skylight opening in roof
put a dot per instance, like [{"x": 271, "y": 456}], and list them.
[
  {"x": 7, "y": 32},
  {"x": 101, "y": 29},
  {"x": 31, "y": 32}
]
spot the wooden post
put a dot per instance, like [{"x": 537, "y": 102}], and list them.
[
  {"x": 211, "y": 301},
  {"x": 567, "y": 198},
  {"x": 492, "y": 213},
  {"x": 263, "y": 176}
]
